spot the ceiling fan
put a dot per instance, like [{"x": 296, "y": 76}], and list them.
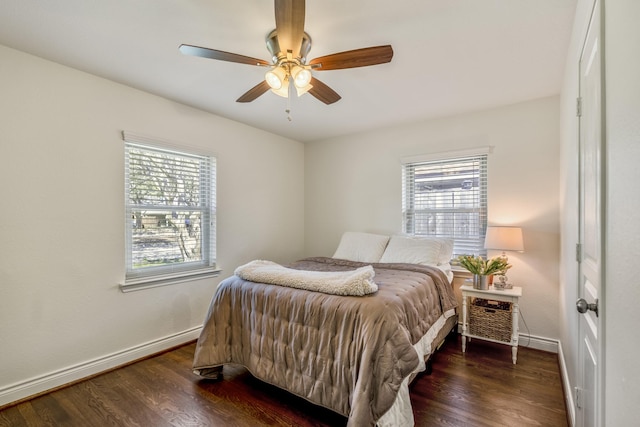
[{"x": 289, "y": 46}]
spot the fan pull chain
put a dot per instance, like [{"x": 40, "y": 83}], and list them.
[{"x": 288, "y": 110}]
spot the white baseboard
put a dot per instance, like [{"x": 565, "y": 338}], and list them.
[
  {"x": 42, "y": 383},
  {"x": 539, "y": 343},
  {"x": 568, "y": 390}
]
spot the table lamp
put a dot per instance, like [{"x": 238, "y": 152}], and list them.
[{"x": 504, "y": 239}]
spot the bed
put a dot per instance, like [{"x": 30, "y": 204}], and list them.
[{"x": 355, "y": 352}]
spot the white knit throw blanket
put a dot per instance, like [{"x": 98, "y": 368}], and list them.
[{"x": 357, "y": 282}]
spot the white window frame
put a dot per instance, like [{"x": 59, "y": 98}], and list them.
[
  {"x": 137, "y": 278},
  {"x": 470, "y": 241}
]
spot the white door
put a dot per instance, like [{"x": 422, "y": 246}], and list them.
[{"x": 588, "y": 398}]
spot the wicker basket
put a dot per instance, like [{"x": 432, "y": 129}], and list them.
[{"x": 491, "y": 319}]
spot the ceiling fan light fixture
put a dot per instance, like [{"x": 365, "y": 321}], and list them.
[
  {"x": 301, "y": 76},
  {"x": 289, "y": 46},
  {"x": 283, "y": 90},
  {"x": 276, "y": 77}
]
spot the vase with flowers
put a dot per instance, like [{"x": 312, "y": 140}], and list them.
[{"x": 482, "y": 269}]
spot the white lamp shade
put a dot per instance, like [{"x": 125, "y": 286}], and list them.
[{"x": 504, "y": 239}]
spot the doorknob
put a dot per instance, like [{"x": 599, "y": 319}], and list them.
[{"x": 583, "y": 306}]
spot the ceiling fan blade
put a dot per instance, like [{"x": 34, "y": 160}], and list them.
[
  {"x": 353, "y": 58},
  {"x": 323, "y": 92},
  {"x": 290, "y": 25},
  {"x": 220, "y": 55},
  {"x": 254, "y": 92}
]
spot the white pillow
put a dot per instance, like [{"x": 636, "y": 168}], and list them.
[
  {"x": 362, "y": 247},
  {"x": 446, "y": 247},
  {"x": 412, "y": 250},
  {"x": 446, "y": 251}
]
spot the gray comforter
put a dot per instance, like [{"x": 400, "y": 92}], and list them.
[{"x": 347, "y": 353}]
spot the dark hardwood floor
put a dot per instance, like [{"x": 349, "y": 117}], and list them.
[{"x": 480, "y": 388}]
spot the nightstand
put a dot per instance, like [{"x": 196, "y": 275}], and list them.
[{"x": 494, "y": 317}]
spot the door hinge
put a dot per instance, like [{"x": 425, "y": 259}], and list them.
[
  {"x": 578, "y": 397},
  {"x": 579, "y": 106},
  {"x": 579, "y": 252}
]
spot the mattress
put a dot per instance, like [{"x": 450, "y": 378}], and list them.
[{"x": 351, "y": 354}]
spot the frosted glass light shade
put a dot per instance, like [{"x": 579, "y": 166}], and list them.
[
  {"x": 276, "y": 77},
  {"x": 301, "y": 76},
  {"x": 302, "y": 90},
  {"x": 283, "y": 91}
]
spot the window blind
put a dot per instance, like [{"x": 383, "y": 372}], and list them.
[
  {"x": 447, "y": 198},
  {"x": 170, "y": 212}
]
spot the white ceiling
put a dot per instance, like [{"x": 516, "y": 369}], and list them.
[{"x": 450, "y": 56}]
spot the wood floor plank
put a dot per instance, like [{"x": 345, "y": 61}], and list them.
[
  {"x": 51, "y": 412},
  {"x": 485, "y": 385},
  {"x": 480, "y": 388}
]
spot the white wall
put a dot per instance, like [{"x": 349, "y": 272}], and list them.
[
  {"x": 354, "y": 183},
  {"x": 62, "y": 225},
  {"x": 622, "y": 153},
  {"x": 620, "y": 292}
]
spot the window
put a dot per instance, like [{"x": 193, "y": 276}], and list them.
[
  {"x": 447, "y": 197},
  {"x": 170, "y": 214}
]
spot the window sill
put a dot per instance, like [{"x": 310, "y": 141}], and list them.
[{"x": 140, "y": 283}]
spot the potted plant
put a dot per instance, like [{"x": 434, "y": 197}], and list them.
[{"x": 482, "y": 269}]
